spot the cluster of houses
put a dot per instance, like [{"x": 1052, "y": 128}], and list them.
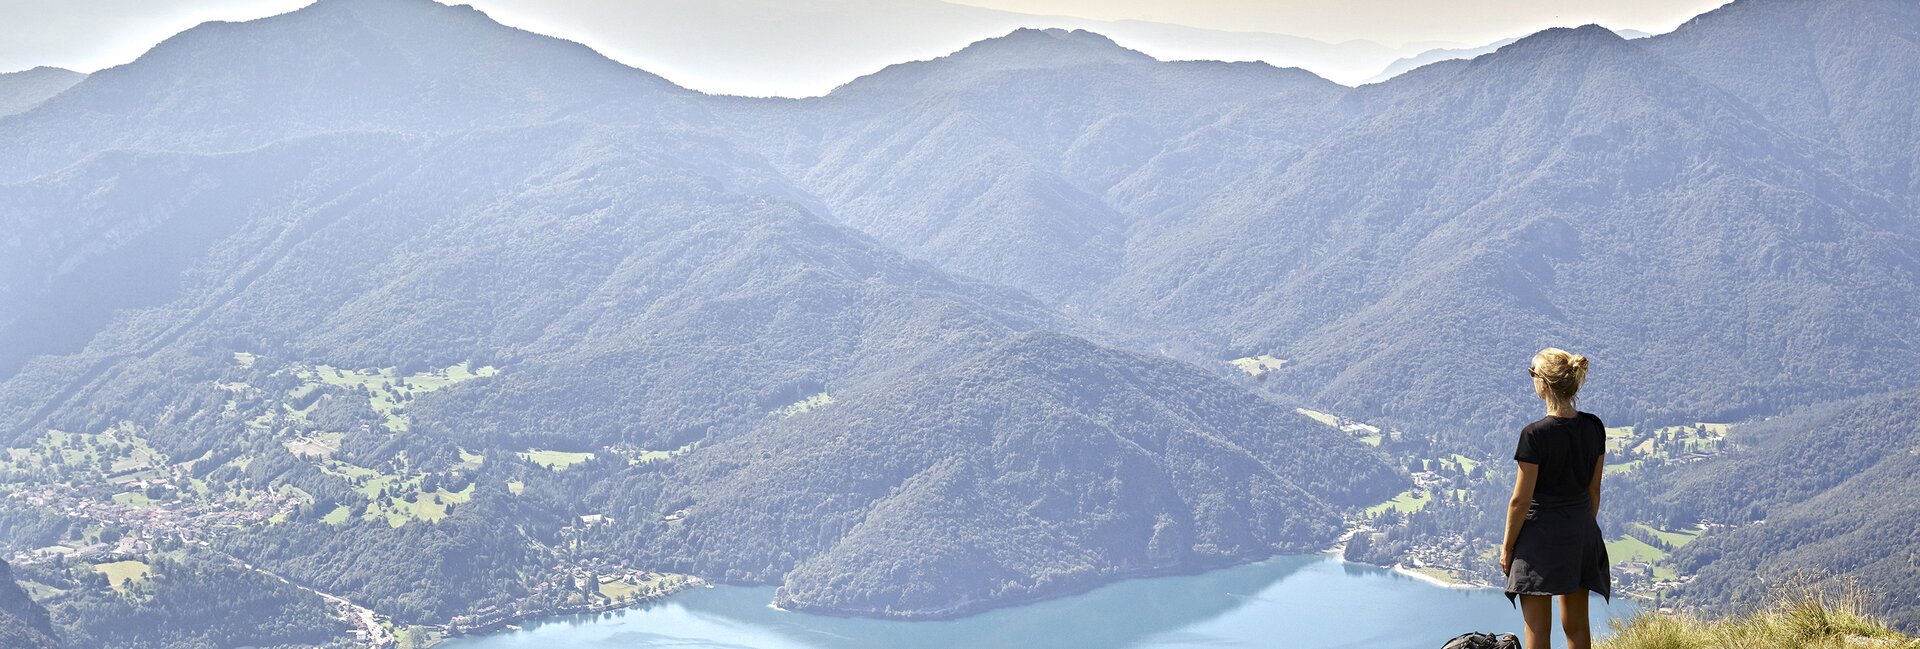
[{"x": 142, "y": 526}]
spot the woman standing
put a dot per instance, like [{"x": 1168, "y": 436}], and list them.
[{"x": 1553, "y": 542}]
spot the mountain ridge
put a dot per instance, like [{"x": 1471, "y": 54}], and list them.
[
  {"x": 21, "y": 91},
  {"x": 352, "y": 59},
  {"x": 1042, "y": 270}
]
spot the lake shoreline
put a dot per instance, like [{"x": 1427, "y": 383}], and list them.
[
  {"x": 1436, "y": 581},
  {"x": 1243, "y": 604},
  {"x": 511, "y": 623}
]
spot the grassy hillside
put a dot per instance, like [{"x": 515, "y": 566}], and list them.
[{"x": 1804, "y": 623}]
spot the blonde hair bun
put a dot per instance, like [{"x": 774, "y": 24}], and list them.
[{"x": 1562, "y": 371}]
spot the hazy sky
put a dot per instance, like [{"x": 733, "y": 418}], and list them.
[
  {"x": 800, "y": 47},
  {"x": 1389, "y": 22}
]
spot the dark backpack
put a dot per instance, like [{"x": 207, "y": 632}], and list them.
[{"x": 1483, "y": 641}]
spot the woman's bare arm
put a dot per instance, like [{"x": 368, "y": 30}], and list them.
[{"x": 1517, "y": 510}]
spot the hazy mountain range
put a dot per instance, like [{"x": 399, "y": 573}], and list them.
[
  {"x": 25, "y": 89},
  {"x": 956, "y": 334},
  {"x": 746, "y": 46}
]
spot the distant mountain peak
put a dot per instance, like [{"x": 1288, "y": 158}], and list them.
[
  {"x": 1050, "y": 47},
  {"x": 1025, "y": 48},
  {"x": 385, "y": 4},
  {"x": 1061, "y": 34},
  {"x": 1569, "y": 44},
  {"x": 20, "y": 91},
  {"x": 1588, "y": 35},
  {"x": 47, "y": 69}
]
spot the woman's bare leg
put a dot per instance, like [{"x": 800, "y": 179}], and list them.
[
  {"x": 1537, "y": 610},
  {"x": 1573, "y": 620}
]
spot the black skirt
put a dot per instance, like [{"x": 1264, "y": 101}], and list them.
[{"x": 1560, "y": 551}]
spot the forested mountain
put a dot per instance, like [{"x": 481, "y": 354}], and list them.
[
  {"x": 25, "y": 89},
  {"x": 1539, "y": 195},
  {"x": 1431, "y": 57},
  {"x": 1025, "y": 159},
  {"x": 578, "y": 262},
  {"x": 1842, "y": 73},
  {"x": 1828, "y": 494},
  {"x": 1036, "y": 467},
  {"x": 456, "y": 322},
  {"x": 1442, "y": 220},
  {"x": 748, "y": 46},
  {"x": 338, "y": 65},
  {"x": 23, "y": 623}
]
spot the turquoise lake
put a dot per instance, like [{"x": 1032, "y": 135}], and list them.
[{"x": 1299, "y": 602}]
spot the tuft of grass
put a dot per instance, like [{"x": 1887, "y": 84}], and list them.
[{"x": 1809, "y": 621}]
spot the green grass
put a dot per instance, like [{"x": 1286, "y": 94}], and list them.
[
  {"x": 316, "y": 445},
  {"x": 1324, "y": 418},
  {"x": 388, "y": 393},
  {"x": 515, "y": 487},
  {"x": 1675, "y": 539},
  {"x": 120, "y": 573},
  {"x": 372, "y": 487},
  {"x": 1405, "y": 502},
  {"x": 338, "y": 516},
  {"x": 125, "y": 454},
  {"x": 134, "y": 499},
  {"x": 349, "y": 471},
  {"x": 1258, "y": 366},
  {"x": 1618, "y": 439},
  {"x": 1622, "y": 467},
  {"x": 301, "y": 392},
  {"x": 405, "y": 501},
  {"x": 816, "y": 401},
  {"x": 661, "y": 456},
  {"x": 1372, "y": 438},
  {"x": 1628, "y": 447},
  {"x": 1628, "y": 548},
  {"x": 617, "y": 589},
  {"x": 1465, "y": 463},
  {"x": 40, "y": 592},
  {"x": 244, "y": 359},
  {"x": 1810, "y": 622},
  {"x": 418, "y": 637},
  {"x": 556, "y": 460},
  {"x": 425, "y": 506}
]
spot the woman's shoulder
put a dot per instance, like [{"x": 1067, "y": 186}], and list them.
[{"x": 1592, "y": 418}]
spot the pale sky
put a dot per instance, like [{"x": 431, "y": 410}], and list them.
[
  {"x": 1389, "y": 22},
  {"x": 805, "y": 47}
]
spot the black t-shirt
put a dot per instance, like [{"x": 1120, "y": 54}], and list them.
[{"x": 1566, "y": 449}]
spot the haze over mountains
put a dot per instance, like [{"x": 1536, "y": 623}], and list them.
[
  {"x": 955, "y": 335},
  {"x": 25, "y": 89},
  {"x": 746, "y": 46}
]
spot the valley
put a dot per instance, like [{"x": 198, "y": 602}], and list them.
[{"x": 380, "y": 322}]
